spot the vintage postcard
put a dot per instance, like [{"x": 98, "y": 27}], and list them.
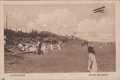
[{"x": 60, "y": 40}]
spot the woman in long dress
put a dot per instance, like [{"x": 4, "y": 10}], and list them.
[
  {"x": 51, "y": 45},
  {"x": 92, "y": 64},
  {"x": 43, "y": 48},
  {"x": 58, "y": 46}
]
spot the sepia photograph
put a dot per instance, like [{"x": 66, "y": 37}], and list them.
[{"x": 59, "y": 38}]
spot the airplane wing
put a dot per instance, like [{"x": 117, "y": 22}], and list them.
[{"x": 101, "y": 9}]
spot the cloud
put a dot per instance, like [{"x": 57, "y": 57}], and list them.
[
  {"x": 98, "y": 37},
  {"x": 60, "y": 21},
  {"x": 16, "y": 20},
  {"x": 86, "y": 25},
  {"x": 106, "y": 25},
  {"x": 93, "y": 30},
  {"x": 31, "y": 25}
]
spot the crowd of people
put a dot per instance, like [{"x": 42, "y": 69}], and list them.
[{"x": 39, "y": 47}]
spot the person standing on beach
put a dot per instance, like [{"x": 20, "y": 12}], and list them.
[
  {"x": 39, "y": 47},
  {"x": 92, "y": 64}
]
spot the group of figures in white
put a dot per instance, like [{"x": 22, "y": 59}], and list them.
[{"x": 40, "y": 48}]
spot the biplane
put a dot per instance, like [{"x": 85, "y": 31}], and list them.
[{"x": 101, "y": 9}]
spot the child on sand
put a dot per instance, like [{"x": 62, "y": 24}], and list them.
[{"x": 92, "y": 64}]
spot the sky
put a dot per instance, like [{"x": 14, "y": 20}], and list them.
[{"x": 64, "y": 19}]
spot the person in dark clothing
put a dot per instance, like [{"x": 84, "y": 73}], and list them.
[{"x": 92, "y": 64}]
